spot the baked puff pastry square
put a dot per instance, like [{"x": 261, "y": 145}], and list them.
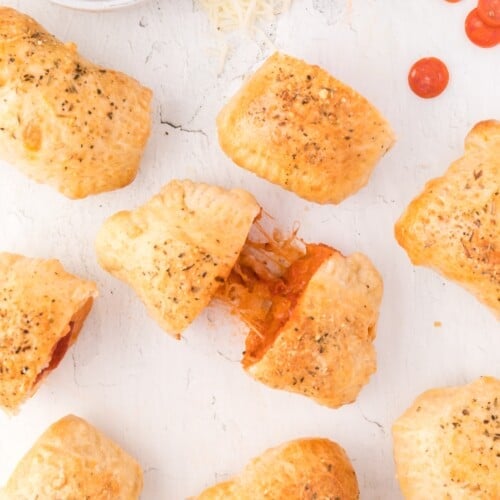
[
  {"x": 177, "y": 249},
  {"x": 309, "y": 468},
  {"x": 311, "y": 311},
  {"x": 64, "y": 121},
  {"x": 295, "y": 125},
  {"x": 42, "y": 310},
  {"x": 74, "y": 461},
  {"x": 453, "y": 225},
  {"x": 447, "y": 444},
  {"x": 317, "y": 337}
]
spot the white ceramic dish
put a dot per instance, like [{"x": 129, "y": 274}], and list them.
[{"x": 96, "y": 5}]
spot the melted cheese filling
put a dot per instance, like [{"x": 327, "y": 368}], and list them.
[{"x": 265, "y": 284}]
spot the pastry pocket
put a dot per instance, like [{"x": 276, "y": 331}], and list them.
[
  {"x": 64, "y": 121},
  {"x": 453, "y": 225},
  {"x": 447, "y": 444},
  {"x": 42, "y": 310},
  {"x": 73, "y": 461},
  {"x": 311, "y": 312},
  {"x": 318, "y": 339},
  {"x": 177, "y": 249},
  {"x": 305, "y": 468},
  {"x": 295, "y": 125}
]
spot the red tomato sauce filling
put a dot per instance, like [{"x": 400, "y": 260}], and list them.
[
  {"x": 64, "y": 343},
  {"x": 57, "y": 354},
  {"x": 265, "y": 284}
]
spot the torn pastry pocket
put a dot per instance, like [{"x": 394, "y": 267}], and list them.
[{"x": 311, "y": 312}]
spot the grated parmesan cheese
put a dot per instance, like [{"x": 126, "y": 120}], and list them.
[{"x": 244, "y": 16}]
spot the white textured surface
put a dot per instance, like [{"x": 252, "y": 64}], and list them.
[{"x": 186, "y": 409}]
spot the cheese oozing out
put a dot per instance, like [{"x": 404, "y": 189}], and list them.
[{"x": 268, "y": 279}]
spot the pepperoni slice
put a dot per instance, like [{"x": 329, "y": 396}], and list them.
[
  {"x": 489, "y": 12},
  {"x": 453, "y": 1},
  {"x": 479, "y": 32},
  {"x": 428, "y": 77}
]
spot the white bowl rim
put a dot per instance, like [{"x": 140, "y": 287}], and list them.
[{"x": 95, "y": 5}]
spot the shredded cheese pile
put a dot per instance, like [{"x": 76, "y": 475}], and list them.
[{"x": 244, "y": 16}]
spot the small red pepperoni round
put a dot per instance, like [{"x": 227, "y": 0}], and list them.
[
  {"x": 489, "y": 12},
  {"x": 453, "y": 1},
  {"x": 428, "y": 77},
  {"x": 480, "y": 33}
]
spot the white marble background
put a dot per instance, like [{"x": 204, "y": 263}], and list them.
[{"x": 186, "y": 409}]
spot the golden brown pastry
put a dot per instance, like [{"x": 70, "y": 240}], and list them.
[
  {"x": 42, "y": 310},
  {"x": 447, "y": 444},
  {"x": 64, "y": 121},
  {"x": 317, "y": 338},
  {"x": 453, "y": 225},
  {"x": 312, "y": 312},
  {"x": 178, "y": 248},
  {"x": 73, "y": 461},
  {"x": 304, "y": 469},
  {"x": 295, "y": 125}
]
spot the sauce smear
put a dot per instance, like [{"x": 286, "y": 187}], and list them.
[
  {"x": 479, "y": 32},
  {"x": 428, "y": 77}
]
